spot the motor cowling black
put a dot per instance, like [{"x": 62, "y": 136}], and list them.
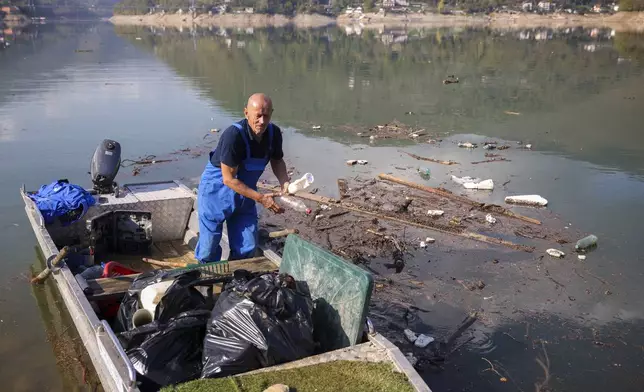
[{"x": 105, "y": 165}]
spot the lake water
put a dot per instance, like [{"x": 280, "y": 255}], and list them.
[{"x": 575, "y": 95}]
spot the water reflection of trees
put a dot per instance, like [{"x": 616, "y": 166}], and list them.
[
  {"x": 567, "y": 84},
  {"x": 54, "y": 42},
  {"x": 630, "y": 46},
  {"x": 327, "y": 75}
]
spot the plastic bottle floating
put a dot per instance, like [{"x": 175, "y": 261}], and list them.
[{"x": 301, "y": 184}]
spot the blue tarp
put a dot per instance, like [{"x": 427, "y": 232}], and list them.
[{"x": 61, "y": 198}]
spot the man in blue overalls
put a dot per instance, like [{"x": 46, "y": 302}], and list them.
[{"x": 228, "y": 187}]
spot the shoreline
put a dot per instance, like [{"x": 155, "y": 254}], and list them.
[
  {"x": 621, "y": 21},
  {"x": 226, "y": 20}
]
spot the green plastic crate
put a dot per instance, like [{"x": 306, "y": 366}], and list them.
[{"x": 340, "y": 291}]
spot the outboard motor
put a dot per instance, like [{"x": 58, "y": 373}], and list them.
[{"x": 104, "y": 167}]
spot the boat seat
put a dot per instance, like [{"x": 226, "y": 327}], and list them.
[
  {"x": 341, "y": 291},
  {"x": 116, "y": 287}
]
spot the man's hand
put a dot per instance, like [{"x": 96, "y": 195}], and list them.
[
  {"x": 267, "y": 201},
  {"x": 279, "y": 168},
  {"x": 285, "y": 188}
]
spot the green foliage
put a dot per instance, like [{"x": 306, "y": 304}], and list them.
[
  {"x": 285, "y": 7},
  {"x": 135, "y": 7},
  {"x": 58, "y": 8},
  {"x": 630, "y": 45},
  {"x": 631, "y": 5}
]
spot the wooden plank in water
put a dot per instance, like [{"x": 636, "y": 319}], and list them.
[
  {"x": 343, "y": 187},
  {"x": 107, "y": 288}
]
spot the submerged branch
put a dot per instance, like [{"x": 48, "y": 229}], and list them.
[{"x": 545, "y": 365}]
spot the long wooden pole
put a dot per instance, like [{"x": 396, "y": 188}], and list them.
[
  {"x": 180, "y": 264},
  {"x": 387, "y": 177},
  {"x": 439, "y": 192},
  {"x": 282, "y": 233},
  {"x": 165, "y": 264},
  {"x": 430, "y": 159},
  {"x": 465, "y": 234}
]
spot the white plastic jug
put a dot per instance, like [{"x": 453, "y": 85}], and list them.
[
  {"x": 142, "y": 317},
  {"x": 151, "y": 295},
  {"x": 301, "y": 184}
]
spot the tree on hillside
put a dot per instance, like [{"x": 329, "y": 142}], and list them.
[
  {"x": 132, "y": 7},
  {"x": 631, "y": 5},
  {"x": 288, "y": 7}
]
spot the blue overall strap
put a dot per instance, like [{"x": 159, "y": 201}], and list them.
[{"x": 247, "y": 141}]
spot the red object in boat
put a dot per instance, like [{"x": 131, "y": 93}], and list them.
[
  {"x": 110, "y": 308},
  {"x": 113, "y": 268}
]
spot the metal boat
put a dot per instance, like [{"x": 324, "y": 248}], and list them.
[{"x": 165, "y": 219}]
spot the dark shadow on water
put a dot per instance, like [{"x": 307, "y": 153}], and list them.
[
  {"x": 538, "y": 352},
  {"x": 72, "y": 359}
]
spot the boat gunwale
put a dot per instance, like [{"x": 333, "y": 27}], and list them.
[{"x": 92, "y": 331}]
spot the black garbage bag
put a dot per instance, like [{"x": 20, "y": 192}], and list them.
[
  {"x": 167, "y": 353},
  {"x": 257, "y": 322},
  {"x": 134, "y": 338},
  {"x": 181, "y": 296}
]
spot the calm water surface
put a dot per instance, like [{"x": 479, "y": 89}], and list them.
[{"x": 579, "y": 99}]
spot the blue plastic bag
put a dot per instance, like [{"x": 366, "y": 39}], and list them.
[{"x": 62, "y": 199}]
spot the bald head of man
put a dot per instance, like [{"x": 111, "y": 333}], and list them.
[{"x": 258, "y": 112}]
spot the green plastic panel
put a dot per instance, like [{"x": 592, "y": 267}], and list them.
[{"x": 340, "y": 290}]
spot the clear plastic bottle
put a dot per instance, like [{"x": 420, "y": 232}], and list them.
[
  {"x": 586, "y": 242},
  {"x": 291, "y": 202},
  {"x": 301, "y": 184},
  {"x": 424, "y": 172}
]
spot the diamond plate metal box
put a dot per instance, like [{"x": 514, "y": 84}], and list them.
[{"x": 169, "y": 202}]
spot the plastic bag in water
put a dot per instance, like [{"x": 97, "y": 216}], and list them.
[{"x": 257, "y": 323}]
